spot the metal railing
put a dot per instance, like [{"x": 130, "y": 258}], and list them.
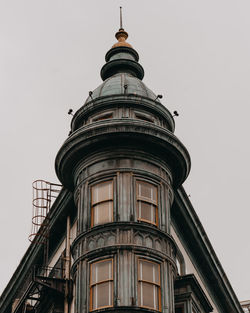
[{"x": 44, "y": 194}]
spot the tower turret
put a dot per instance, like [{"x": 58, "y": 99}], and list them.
[{"x": 123, "y": 162}]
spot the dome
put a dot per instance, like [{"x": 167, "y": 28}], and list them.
[{"x": 122, "y": 83}]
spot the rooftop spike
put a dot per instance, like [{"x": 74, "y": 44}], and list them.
[
  {"x": 121, "y": 18},
  {"x": 121, "y": 35}
]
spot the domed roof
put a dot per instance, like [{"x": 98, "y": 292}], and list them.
[{"x": 122, "y": 83}]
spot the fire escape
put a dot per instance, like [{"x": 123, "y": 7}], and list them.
[{"x": 42, "y": 282}]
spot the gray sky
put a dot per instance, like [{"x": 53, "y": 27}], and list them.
[{"x": 195, "y": 53}]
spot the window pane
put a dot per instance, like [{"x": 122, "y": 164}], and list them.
[
  {"x": 149, "y": 271},
  {"x": 103, "y": 213},
  {"x": 102, "y": 295},
  {"x": 101, "y": 271},
  {"x": 146, "y": 211},
  {"x": 147, "y": 190},
  {"x": 102, "y": 192},
  {"x": 179, "y": 310},
  {"x": 148, "y": 295},
  {"x": 103, "y": 117}
]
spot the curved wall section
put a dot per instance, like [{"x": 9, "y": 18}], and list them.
[
  {"x": 125, "y": 250},
  {"x": 124, "y": 257},
  {"x": 138, "y": 182}
]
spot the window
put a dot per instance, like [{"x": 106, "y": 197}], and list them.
[
  {"x": 102, "y": 203},
  {"x": 144, "y": 118},
  {"x": 147, "y": 210},
  {"x": 101, "y": 117},
  {"x": 149, "y": 285},
  {"x": 179, "y": 309},
  {"x": 180, "y": 263},
  {"x": 101, "y": 284}
]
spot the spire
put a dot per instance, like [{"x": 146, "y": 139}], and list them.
[
  {"x": 121, "y": 18},
  {"x": 121, "y": 35}
]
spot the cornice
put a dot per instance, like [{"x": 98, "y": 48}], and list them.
[
  {"x": 123, "y": 226},
  {"x": 195, "y": 240},
  {"x": 185, "y": 281},
  {"x": 110, "y": 250},
  {"x": 117, "y": 132}
]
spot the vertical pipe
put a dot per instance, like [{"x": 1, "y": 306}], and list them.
[{"x": 67, "y": 266}]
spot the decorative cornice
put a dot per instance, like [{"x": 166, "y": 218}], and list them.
[
  {"x": 123, "y": 226},
  {"x": 106, "y": 251},
  {"x": 201, "y": 252},
  {"x": 119, "y": 132},
  {"x": 187, "y": 282}
]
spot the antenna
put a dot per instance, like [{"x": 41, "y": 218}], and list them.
[{"x": 121, "y": 18}]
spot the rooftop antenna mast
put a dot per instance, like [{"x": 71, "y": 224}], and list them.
[{"x": 121, "y": 18}]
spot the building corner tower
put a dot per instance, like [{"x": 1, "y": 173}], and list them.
[
  {"x": 123, "y": 163},
  {"x": 122, "y": 235}
]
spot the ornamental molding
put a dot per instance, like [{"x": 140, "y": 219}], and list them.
[
  {"x": 124, "y": 235},
  {"x": 90, "y": 136},
  {"x": 128, "y": 100}
]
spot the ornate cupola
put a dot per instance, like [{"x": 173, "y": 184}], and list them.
[
  {"x": 123, "y": 163},
  {"x": 122, "y": 101}
]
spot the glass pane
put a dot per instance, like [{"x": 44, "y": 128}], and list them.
[
  {"x": 103, "y": 213},
  {"x": 147, "y": 190},
  {"x": 148, "y": 295},
  {"x": 149, "y": 271},
  {"x": 146, "y": 211},
  {"x": 102, "y": 295},
  {"x": 102, "y": 192},
  {"x": 179, "y": 310},
  {"x": 101, "y": 271}
]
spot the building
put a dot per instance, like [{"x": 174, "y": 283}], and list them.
[
  {"x": 246, "y": 306},
  {"x": 121, "y": 234}
]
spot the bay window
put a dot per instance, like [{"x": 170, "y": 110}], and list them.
[
  {"x": 147, "y": 210},
  {"x": 101, "y": 284},
  {"x": 102, "y": 203},
  {"x": 149, "y": 287}
]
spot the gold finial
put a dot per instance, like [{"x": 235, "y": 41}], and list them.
[{"x": 121, "y": 35}]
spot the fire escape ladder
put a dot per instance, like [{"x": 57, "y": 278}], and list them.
[{"x": 41, "y": 280}]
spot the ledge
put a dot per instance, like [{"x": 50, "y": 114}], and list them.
[
  {"x": 110, "y": 134},
  {"x": 110, "y": 101}
]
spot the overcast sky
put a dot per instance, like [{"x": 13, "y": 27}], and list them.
[{"x": 194, "y": 52}]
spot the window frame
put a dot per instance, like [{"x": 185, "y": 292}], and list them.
[
  {"x": 100, "y": 282},
  {"x": 146, "y": 200},
  {"x": 92, "y": 206},
  {"x": 180, "y": 306},
  {"x": 148, "y": 282},
  {"x": 143, "y": 116},
  {"x": 102, "y": 116}
]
